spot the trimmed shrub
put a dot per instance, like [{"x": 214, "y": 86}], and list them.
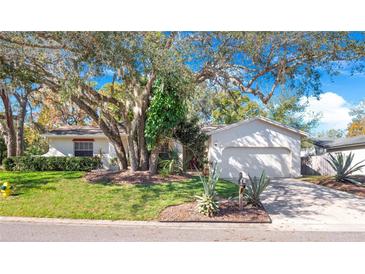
[
  {"x": 9, "y": 163},
  {"x": 36, "y": 163}
]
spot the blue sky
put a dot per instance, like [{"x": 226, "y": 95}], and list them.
[{"x": 339, "y": 95}]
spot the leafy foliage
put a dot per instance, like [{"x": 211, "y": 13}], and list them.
[
  {"x": 2, "y": 149},
  {"x": 263, "y": 64},
  {"x": 29, "y": 163},
  {"x": 356, "y": 128},
  {"x": 332, "y": 134},
  {"x": 9, "y": 163},
  {"x": 255, "y": 189},
  {"x": 342, "y": 164},
  {"x": 231, "y": 107},
  {"x": 189, "y": 133},
  {"x": 357, "y": 125},
  {"x": 35, "y": 144},
  {"x": 207, "y": 202},
  {"x": 166, "y": 111},
  {"x": 291, "y": 111}
]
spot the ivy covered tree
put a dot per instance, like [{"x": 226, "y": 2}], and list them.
[{"x": 167, "y": 109}]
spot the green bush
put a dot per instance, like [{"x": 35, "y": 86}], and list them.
[
  {"x": 35, "y": 163},
  {"x": 8, "y": 163}
]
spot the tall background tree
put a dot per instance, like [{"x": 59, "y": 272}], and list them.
[{"x": 357, "y": 125}]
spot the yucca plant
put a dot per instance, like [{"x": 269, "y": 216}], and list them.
[
  {"x": 207, "y": 202},
  {"x": 342, "y": 165},
  {"x": 255, "y": 188},
  {"x": 172, "y": 165}
]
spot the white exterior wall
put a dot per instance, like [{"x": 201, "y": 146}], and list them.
[
  {"x": 267, "y": 140},
  {"x": 64, "y": 146}
]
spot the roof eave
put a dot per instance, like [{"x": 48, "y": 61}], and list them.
[{"x": 299, "y": 132}]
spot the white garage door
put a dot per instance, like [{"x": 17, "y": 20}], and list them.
[{"x": 275, "y": 161}]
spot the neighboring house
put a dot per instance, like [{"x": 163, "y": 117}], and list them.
[
  {"x": 316, "y": 164},
  {"x": 250, "y": 146}
]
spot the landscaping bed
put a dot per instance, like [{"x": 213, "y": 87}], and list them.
[
  {"x": 331, "y": 183},
  {"x": 137, "y": 177},
  {"x": 228, "y": 212}
]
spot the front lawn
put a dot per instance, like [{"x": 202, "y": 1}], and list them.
[
  {"x": 329, "y": 181},
  {"x": 68, "y": 195}
]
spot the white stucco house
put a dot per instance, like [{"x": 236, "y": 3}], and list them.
[
  {"x": 254, "y": 145},
  {"x": 81, "y": 141},
  {"x": 250, "y": 146}
]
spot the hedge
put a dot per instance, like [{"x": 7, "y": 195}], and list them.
[{"x": 39, "y": 163}]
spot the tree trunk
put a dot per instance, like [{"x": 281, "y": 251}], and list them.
[
  {"x": 132, "y": 154},
  {"x": 20, "y": 126},
  {"x": 11, "y": 135},
  {"x": 153, "y": 161},
  {"x": 121, "y": 157},
  {"x": 113, "y": 135},
  {"x": 144, "y": 157}
]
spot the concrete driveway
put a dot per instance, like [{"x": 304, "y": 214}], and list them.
[{"x": 291, "y": 202}]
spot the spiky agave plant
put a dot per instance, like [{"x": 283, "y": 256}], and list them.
[
  {"x": 207, "y": 202},
  {"x": 172, "y": 165},
  {"x": 255, "y": 188},
  {"x": 342, "y": 165}
]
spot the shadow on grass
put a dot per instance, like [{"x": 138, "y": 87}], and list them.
[{"x": 24, "y": 181}]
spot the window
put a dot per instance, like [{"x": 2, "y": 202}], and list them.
[{"x": 84, "y": 149}]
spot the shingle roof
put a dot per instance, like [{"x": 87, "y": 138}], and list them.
[
  {"x": 342, "y": 142},
  {"x": 209, "y": 128},
  {"x": 75, "y": 130},
  {"x": 264, "y": 119}
]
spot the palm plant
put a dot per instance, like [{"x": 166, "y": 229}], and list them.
[
  {"x": 255, "y": 188},
  {"x": 207, "y": 202},
  {"x": 342, "y": 164},
  {"x": 172, "y": 165}
]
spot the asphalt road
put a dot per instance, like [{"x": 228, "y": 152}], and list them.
[{"x": 64, "y": 231}]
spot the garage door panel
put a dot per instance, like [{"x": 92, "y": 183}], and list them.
[{"x": 252, "y": 161}]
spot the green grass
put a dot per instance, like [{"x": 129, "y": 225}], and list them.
[{"x": 68, "y": 195}]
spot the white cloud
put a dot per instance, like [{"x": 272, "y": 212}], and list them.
[{"x": 333, "y": 108}]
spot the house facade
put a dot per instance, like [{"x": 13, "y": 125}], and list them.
[
  {"x": 82, "y": 141},
  {"x": 249, "y": 146}
]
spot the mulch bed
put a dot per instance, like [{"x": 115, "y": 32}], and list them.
[
  {"x": 347, "y": 187},
  {"x": 128, "y": 177},
  {"x": 228, "y": 213}
]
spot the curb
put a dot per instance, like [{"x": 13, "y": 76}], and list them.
[{"x": 273, "y": 227}]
